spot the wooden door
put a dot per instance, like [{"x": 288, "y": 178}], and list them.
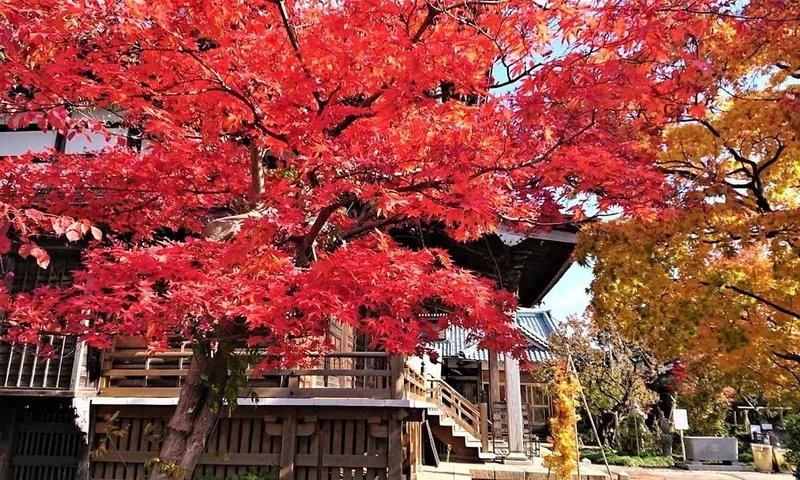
[{"x": 538, "y": 406}]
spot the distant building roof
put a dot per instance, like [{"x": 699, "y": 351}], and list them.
[{"x": 536, "y": 325}]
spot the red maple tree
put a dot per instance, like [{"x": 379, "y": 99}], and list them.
[{"x": 316, "y": 129}]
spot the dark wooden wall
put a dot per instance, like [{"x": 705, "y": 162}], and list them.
[{"x": 39, "y": 440}]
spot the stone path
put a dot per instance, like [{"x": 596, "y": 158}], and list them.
[
  {"x": 496, "y": 471},
  {"x": 675, "y": 474}
]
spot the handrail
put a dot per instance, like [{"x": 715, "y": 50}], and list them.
[
  {"x": 461, "y": 410},
  {"x": 454, "y": 393},
  {"x": 415, "y": 384},
  {"x": 135, "y": 372},
  {"x": 181, "y": 353}
]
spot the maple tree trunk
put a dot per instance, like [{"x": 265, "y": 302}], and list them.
[{"x": 194, "y": 418}]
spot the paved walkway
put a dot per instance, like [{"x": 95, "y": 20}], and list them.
[
  {"x": 498, "y": 471},
  {"x": 675, "y": 474}
]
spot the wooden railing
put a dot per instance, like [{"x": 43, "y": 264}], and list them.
[
  {"x": 462, "y": 411},
  {"x": 133, "y": 372},
  {"x": 46, "y": 366},
  {"x": 415, "y": 385}
]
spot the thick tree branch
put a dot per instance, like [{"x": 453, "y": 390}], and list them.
[
  {"x": 791, "y": 356},
  {"x": 783, "y": 66},
  {"x": 338, "y": 129},
  {"x": 775, "y": 157},
  {"x": 365, "y": 227},
  {"x": 256, "y": 173},
  {"x": 755, "y": 185},
  {"x": 304, "y": 250},
  {"x": 763, "y": 300}
]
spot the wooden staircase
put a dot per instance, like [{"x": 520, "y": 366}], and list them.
[{"x": 461, "y": 418}]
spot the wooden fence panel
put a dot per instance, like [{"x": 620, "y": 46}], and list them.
[
  {"x": 329, "y": 443},
  {"x": 46, "y": 443}
]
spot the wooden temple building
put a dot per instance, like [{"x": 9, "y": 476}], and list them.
[{"x": 82, "y": 414}]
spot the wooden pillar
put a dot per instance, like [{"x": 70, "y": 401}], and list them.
[
  {"x": 7, "y": 421},
  {"x": 397, "y": 365},
  {"x": 395, "y": 458},
  {"x": 514, "y": 411},
  {"x": 494, "y": 392},
  {"x": 288, "y": 445},
  {"x": 484, "y": 428}
]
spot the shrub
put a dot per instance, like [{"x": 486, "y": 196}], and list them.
[
  {"x": 649, "y": 442},
  {"x": 746, "y": 457},
  {"x": 627, "y": 460},
  {"x": 269, "y": 473},
  {"x": 792, "y": 440}
]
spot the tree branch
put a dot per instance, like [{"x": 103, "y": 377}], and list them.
[
  {"x": 433, "y": 11},
  {"x": 292, "y": 34},
  {"x": 791, "y": 356},
  {"x": 365, "y": 227},
  {"x": 307, "y": 243},
  {"x": 337, "y": 130},
  {"x": 763, "y": 300},
  {"x": 256, "y": 173}
]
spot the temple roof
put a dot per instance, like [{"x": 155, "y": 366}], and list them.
[
  {"x": 528, "y": 264},
  {"x": 536, "y": 325}
]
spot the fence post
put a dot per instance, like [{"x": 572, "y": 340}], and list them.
[
  {"x": 397, "y": 365},
  {"x": 484, "y": 428},
  {"x": 288, "y": 445},
  {"x": 395, "y": 450}
]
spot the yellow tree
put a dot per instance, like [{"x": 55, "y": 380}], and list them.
[{"x": 713, "y": 276}]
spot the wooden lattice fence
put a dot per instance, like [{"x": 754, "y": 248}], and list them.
[{"x": 301, "y": 443}]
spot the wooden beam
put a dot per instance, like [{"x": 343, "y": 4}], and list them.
[
  {"x": 168, "y": 372},
  {"x": 265, "y": 392},
  {"x": 213, "y": 458}
]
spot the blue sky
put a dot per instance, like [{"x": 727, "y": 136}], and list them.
[{"x": 569, "y": 295}]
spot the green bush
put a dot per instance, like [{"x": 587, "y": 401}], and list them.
[
  {"x": 791, "y": 425},
  {"x": 745, "y": 457},
  {"x": 633, "y": 431},
  {"x": 792, "y": 440},
  {"x": 627, "y": 460},
  {"x": 262, "y": 474}
]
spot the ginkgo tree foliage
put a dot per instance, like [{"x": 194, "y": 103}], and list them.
[
  {"x": 713, "y": 279},
  {"x": 284, "y": 141}
]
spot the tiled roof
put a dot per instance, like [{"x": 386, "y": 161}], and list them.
[{"x": 536, "y": 325}]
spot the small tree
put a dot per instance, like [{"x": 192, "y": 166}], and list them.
[
  {"x": 564, "y": 458},
  {"x": 613, "y": 373}
]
